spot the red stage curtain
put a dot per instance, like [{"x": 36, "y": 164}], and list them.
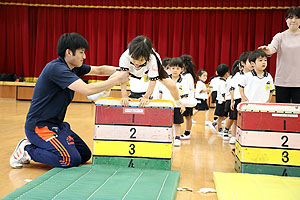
[{"x": 212, "y": 35}]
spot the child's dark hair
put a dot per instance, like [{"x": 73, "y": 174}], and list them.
[
  {"x": 293, "y": 11},
  {"x": 166, "y": 61},
  {"x": 244, "y": 57},
  {"x": 141, "y": 46},
  {"x": 200, "y": 72},
  {"x": 189, "y": 65},
  {"x": 71, "y": 41},
  {"x": 222, "y": 69},
  {"x": 176, "y": 62},
  {"x": 235, "y": 67},
  {"x": 256, "y": 54}
]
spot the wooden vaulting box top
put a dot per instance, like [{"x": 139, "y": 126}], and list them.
[
  {"x": 269, "y": 107},
  {"x": 134, "y": 103}
]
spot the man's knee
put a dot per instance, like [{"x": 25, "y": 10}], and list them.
[
  {"x": 71, "y": 161},
  {"x": 86, "y": 156}
]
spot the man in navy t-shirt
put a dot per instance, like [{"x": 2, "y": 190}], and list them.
[{"x": 50, "y": 139}]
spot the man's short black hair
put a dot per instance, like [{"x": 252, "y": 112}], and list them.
[
  {"x": 71, "y": 41},
  {"x": 222, "y": 69}
]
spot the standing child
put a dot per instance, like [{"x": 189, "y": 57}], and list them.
[
  {"x": 202, "y": 93},
  {"x": 190, "y": 78},
  {"x": 213, "y": 85},
  {"x": 176, "y": 67},
  {"x": 257, "y": 86},
  {"x": 244, "y": 67},
  {"x": 223, "y": 72},
  {"x": 228, "y": 122}
]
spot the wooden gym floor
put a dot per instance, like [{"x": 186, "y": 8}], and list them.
[{"x": 196, "y": 159}]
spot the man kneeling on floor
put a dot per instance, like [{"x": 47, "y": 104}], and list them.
[{"x": 51, "y": 140}]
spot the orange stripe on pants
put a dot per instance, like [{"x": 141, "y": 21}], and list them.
[
  {"x": 44, "y": 132},
  {"x": 68, "y": 158},
  {"x": 62, "y": 154}
]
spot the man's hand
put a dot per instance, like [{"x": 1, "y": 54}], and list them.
[{"x": 121, "y": 76}]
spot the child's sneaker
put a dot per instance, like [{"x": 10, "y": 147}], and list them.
[
  {"x": 225, "y": 136},
  {"x": 20, "y": 156},
  {"x": 220, "y": 132},
  {"x": 229, "y": 132},
  {"x": 212, "y": 127},
  {"x": 232, "y": 140},
  {"x": 185, "y": 137},
  {"x": 177, "y": 142}
]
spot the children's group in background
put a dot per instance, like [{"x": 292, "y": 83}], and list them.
[{"x": 247, "y": 81}]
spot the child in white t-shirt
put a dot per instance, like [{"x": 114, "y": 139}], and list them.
[
  {"x": 223, "y": 72},
  {"x": 190, "y": 78},
  {"x": 176, "y": 67},
  {"x": 202, "y": 93},
  {"x": 229, "y": 122},
  {"x": 257, "y": 86},
  {"x": 213, "y": 85}
]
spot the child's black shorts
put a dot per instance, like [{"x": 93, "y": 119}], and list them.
[
  {"x": 188, "y": 112},
  {"x": 220, "y": 109},
  {"x": 178, "y": 117},
  {"x": 202, "y": 105},
  {"x": 213, "y": 96},
  {"x": 234, "y": 113}
]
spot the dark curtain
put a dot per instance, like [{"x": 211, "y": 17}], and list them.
[{"x": 213, "y": 32}]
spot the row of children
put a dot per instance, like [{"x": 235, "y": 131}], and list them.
[{"x": 249, "y": 81}]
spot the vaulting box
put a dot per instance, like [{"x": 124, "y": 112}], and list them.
[
  {"x": 271, "y": 139},
  {"x": 268, "y": 155},
  {"x": 156, "y": 113},
  {"x": 269, "y": 117},
  {"x": 133, "y": 136},
  {"x": 133, "y": 133},
  {"x": 258, "y": 168}
]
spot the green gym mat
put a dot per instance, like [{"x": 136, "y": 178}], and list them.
[{"x": 100, "y": 182}]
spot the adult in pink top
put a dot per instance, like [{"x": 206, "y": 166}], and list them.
[{"x": 287, "y": 46}]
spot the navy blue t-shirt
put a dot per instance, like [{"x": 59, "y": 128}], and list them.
[{"x": 51, "y": 95}]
